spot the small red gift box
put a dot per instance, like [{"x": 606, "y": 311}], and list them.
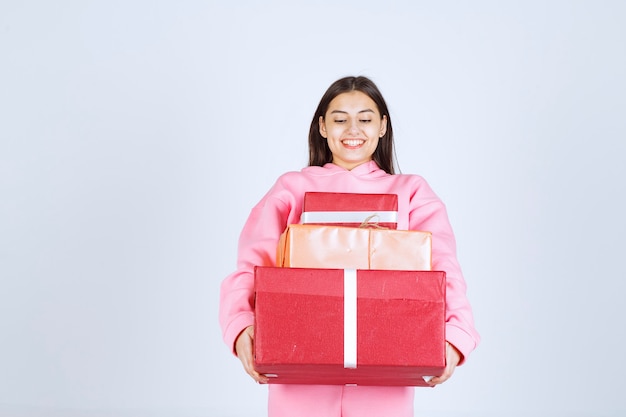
[
  {"x": 350, "y": 209},
  {"x": 334, "y": 326}
]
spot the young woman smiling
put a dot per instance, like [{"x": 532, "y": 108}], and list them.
[{"x": 350, "y": 150}]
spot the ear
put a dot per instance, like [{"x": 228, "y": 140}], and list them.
[
  {"x": 383, "y": 126},
  {"x": 322, "y": 127}
]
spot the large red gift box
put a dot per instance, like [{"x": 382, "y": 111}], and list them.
[
  {"x": 350, "y": 209},
  {"x": 334, "y": 326},
  {"x": 319, "y": 246}
]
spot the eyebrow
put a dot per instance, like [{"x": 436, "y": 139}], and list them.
[{"x": 345, "y": 112}]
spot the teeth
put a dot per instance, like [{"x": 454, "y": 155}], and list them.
[{"x": 353, "y": 142}]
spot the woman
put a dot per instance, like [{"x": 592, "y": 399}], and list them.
[{"x": 350, "y": 150}]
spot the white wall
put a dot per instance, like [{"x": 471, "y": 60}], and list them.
[{"x": 136, "y": 135}]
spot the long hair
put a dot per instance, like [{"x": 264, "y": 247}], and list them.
[{"x": 319, "y": 152}]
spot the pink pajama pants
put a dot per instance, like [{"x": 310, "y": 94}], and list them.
[{"x": 339, "y": 401}]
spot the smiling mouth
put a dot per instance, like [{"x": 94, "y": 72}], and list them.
[{"x": 353, "y": 142}]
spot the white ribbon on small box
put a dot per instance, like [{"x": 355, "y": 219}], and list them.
[{"x": 348, "y": 216}]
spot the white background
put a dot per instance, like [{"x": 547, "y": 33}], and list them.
[{"x": 135, "y": 136}]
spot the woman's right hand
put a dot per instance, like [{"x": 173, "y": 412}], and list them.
[{"x": 244, "y": 347}]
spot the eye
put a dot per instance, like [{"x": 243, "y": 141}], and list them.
[
  {"x": 365, "y": 120},
  {"x": 340, "y": 120}
]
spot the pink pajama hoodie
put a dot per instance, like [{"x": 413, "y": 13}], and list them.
[{"x": 418, "y": 209}]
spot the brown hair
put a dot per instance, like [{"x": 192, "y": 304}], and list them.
[{"x": 319, "y": 152}]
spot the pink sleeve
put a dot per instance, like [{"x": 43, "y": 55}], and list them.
[
  {"x": 428, "y": 213},
  {"x": 257, "y": 246}
]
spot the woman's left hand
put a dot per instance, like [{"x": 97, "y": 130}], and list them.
[{"x": 453, "y": 357}]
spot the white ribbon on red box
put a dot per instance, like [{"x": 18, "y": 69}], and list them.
[{"x": 349, "y": 318}]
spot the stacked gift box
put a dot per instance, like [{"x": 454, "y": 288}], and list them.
[{"x": 352, "y": 300}]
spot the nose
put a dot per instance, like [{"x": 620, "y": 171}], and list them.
[{"x": 354, "y": 128}]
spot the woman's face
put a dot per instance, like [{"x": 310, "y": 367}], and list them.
[{"x": 352, "y": 126}]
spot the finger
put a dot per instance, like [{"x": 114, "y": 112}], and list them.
[
  {"x": 452, "y": 359},
  {"x": 245, "y": 349},
  {"x": 249, "y": 367},
  {"x": 447, "y": 373},
  {"x": 440, "y": 379}
]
